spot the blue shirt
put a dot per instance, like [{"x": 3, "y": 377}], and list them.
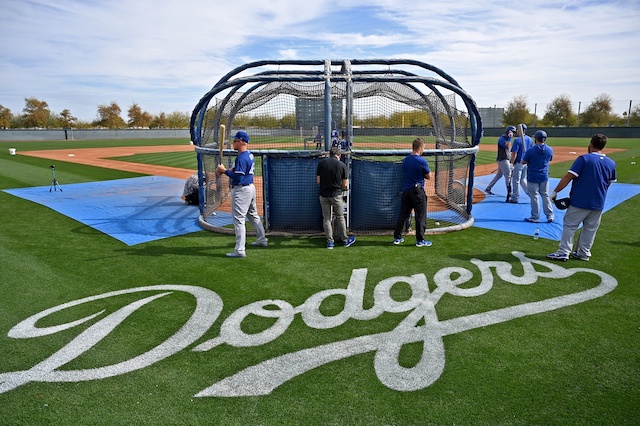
[
  {"x": 414, "y": 168},
  {"x": 593, "y": 173},
  {"x": 242, "y": 173},
  {"x": 519, "y": 149},
  {"x": 537, "y": 159},
  {"x": 503, "y": 149}
]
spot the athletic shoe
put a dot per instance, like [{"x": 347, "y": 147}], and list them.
[
  {"x": 488, "y": 191},
  {"x": 330, "y": 246},
  {"x": 424, "y": 243},
  {"x": 264, "y": 243},
  {"x": 550, "y": 220},
  {"x": 528, "y": 219},
  {"x": 398, "y": 241},
  {"x": 558, "y": 257},
  {"x": 350, "y": 241},
  {"x": 512, "y": 201},
  {"x": 575, "y": 255},
  {"x": 236, "y": 254}
]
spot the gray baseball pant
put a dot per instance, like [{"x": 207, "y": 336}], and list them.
[{"x": 243, "y": 201}]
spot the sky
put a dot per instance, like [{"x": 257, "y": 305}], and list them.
[{"x": 164, "y": 55}]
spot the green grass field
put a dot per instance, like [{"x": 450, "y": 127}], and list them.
[{"x": 575, "y": 365}]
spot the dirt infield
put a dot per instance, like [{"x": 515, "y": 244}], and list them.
[{"x": 100, "y": 157}]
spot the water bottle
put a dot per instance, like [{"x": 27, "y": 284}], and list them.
[{"x": 536, "y": 234}]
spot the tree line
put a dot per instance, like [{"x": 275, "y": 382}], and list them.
[
  {"x": 36, "y": 114},
  {"x": 560, "y": 113}
]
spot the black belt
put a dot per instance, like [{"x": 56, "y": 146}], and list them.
[{"x": 244, "y": 184}]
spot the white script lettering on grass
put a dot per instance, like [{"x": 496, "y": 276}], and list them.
[{"x": 420, "y": 325}]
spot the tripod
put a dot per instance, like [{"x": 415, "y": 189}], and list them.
[{"x": 54, "y": 182}]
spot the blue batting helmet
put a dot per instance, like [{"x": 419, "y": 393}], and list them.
[
  {"x": 510, "y": 129},
  {"x": 540, "y": 135}
]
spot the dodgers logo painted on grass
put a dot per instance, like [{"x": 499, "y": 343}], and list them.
[{"x": 420, "y": 325}]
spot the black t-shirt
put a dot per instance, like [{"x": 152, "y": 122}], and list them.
[{"x": 332, "y": 172}]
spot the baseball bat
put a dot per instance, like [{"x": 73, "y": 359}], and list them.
[
  {"x": 221, "y": 140},
  {"x": 521, "y": 134}
]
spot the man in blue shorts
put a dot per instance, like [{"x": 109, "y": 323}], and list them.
[
  {"x": 537, "y": 161},
  {"x": 243, "y": 196},
  {"x": 415, "y": 170},
  {"x": 590, "y": 176},
  {"x": 502, "y": 159}
]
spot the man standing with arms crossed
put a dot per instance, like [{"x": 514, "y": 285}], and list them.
[
  {"x": 415, "y": 170},
  {"x": 504, "y": 166},
  {"x": 591, "y": 175},
  {"x": 519, "y": 174},
  {"x": 243, "y": 196},
  {"x": 331, "y": 175}
]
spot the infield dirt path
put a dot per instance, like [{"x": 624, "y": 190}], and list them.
[{"x": 101, "y": 157}]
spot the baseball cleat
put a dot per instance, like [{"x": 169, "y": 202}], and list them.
[
  {"x": 488, "y": 191},
  {"x": 264, "y": 243},
  {"x": 558, "y": 257},
  {"x": 236, "y": 255},
  {"x": 398, "y": 241},
  {"x": 424, "y": 243},
  {"x": 330, "y": 246},
  {"x": 350, "y": 241},
  {"x": 528, "y": 219},
  {"x": 575, "y": 255}
]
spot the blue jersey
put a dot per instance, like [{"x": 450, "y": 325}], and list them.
[
  {"x": 243, "y": 169},
  {"x": 503, "y": 148},
  {"x": 519, "y": 149},
  {"x": 414, "y": 168},
  {"x": 593, "y": 173},
  {"x": 537, "y": 159}
]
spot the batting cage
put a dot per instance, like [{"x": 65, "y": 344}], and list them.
[{"x": 295, "y": 110}]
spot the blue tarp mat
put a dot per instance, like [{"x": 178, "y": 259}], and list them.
[
  {"x": 133, "y": 210},
  {"x": 494, "y": 213},
  {"x": 149, "y": 208}
]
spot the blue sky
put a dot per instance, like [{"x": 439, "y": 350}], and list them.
[{"x": 165, "y": 55}]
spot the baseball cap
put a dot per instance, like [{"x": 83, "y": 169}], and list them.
[
  {"x": 562, "y": 203},
  {"x": 243, "y": 136}
]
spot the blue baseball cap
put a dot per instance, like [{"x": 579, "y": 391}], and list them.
[{"x": 243, "y": 136}]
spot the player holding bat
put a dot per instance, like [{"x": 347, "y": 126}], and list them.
[
  {"x": 243, "y": 196},
  {"x": 504, "y": 166},
  {"x": 519, "y": 171}
]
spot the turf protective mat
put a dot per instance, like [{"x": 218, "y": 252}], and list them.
[
  {"x": 134, "y": 210},
  {"x": 494, "y": 213}
]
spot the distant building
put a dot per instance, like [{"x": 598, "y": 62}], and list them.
[
  {"x": 310, "y": 112},
  {"x": 491, "y": 117}
]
